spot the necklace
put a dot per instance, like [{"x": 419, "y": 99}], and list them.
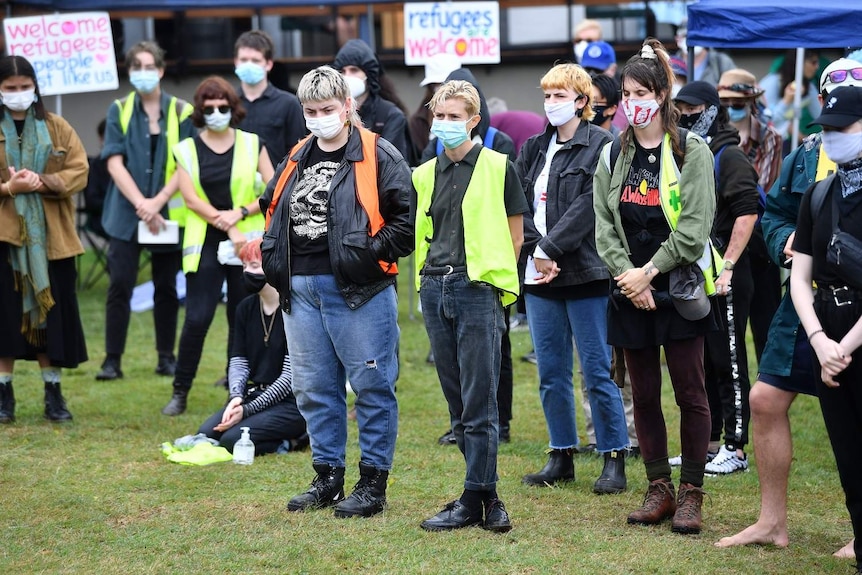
[
  {"x": 267, "y": 329},
  {"x": 651, "y": 158}
]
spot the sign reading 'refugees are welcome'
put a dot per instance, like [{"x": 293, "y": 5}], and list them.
[
  {"x": 470, "y": 30},
  {"x": 70, "y": 52}
]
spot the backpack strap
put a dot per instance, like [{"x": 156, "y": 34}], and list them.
[
  {"x": 818, "y": 196},
  {"x": 489, "y": 137}
]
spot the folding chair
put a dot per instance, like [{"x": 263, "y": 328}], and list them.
[{"x": 89, "y": 224}]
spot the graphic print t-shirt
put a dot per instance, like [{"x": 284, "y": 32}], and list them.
[
  {"x": 640, "y": 208},
  {"x": 309, "y": 205}
]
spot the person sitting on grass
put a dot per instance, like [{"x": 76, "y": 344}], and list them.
[{"x": 259, "y": 375}]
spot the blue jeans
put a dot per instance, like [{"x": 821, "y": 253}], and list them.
[
  {"x": 553, "y": 322},
  {"x": 464, "y": 321},
  {"x": 330, "y": 342}
]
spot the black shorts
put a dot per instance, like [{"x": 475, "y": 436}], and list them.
[{"x": 802, "y": 378}]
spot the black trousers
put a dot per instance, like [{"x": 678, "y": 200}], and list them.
[
  {"x": 123, "y": 260},
  {"x": 203, "y": 293},
  {"x": 727, "y": 380},
  {"x": 267, "y": 428},
  {"x": 504, "y": 390},
  {"x": 842, "y": 408}
]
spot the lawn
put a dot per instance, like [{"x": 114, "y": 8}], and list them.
[{"x": 96, "y": 495}]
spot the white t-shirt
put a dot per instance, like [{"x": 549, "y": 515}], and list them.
[{"x": 540, "y": 209}]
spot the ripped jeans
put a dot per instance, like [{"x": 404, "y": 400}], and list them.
[{"x": 330, "y": 343}]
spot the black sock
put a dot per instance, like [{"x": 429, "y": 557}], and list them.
[{"x": 473, "y": 499}]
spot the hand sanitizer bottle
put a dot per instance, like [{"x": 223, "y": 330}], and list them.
[{"x": 243, "y": 450}]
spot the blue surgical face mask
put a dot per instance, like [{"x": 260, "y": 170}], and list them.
[
  {"x": 217, "y": 122},
  {"x": 144, "y": 81},
  {"x": 737, "y": 115},
  {"x": 452, "y": 133},
  {"x": 250, "y": 73}
]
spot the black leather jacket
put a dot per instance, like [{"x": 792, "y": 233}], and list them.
[
  {"x": 570, "y": 216},
  {"x": 353, "y": 253}
]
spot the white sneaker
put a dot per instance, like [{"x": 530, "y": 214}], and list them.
[
  {"x": 675, "y": 461},
  {"x": 726, "y": 462}
]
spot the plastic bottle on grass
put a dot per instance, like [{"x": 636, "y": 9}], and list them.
[{"x": 243, "y": 450}]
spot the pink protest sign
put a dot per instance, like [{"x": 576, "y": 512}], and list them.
[
  {"x": 470, "y": 30},
  {"x": 70, "y": 52}
]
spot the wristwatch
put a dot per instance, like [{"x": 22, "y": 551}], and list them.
[
  {"x": 244, "y": 211},
  {"x": 728, "y": 264}
]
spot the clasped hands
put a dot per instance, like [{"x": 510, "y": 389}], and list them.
[{"x": 635, "y": 283}]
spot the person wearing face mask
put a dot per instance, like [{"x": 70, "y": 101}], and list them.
[
  {"x": 709, "y": 64},
  {"x": 339, "y": 216},
  {"x": 469, "y": 231},
  {"x": 42, "y": 166},
  {"x": 831, "y": 314},
  {"x": 654, "y": 199},
  {"x": 762, "y": 144},
  {"x": 272, "y": 114},
  {"x": 565, "y": 281},
  {"x": 726, "y": 356},
  {"x": 140, "y": 131},
  {"x": 260, "y": 380},
  {"x": 221, "y": 173},
  {"x": 586, "y": 31},
  {"x": 785, "y": 368},
  {"x": 379, "y": 107},
  {"x": 605, "y": 102}
]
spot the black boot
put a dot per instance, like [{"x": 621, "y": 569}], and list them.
[
  {"x": 110, "y": 369},
  {"x": 327, "y": 488},
  {"x": 55, "y": 405},
  {"x": 613, "y": 477},
  {"x": 369, "y": 494},
  {"x": 560, "y": 467},
  {"x": 177, "y": 404},
  {"x": 7, "y": 403},
  {"x": 167, "y": 365}
]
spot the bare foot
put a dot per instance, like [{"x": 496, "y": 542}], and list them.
[
  {"x": 846, "y": 552},
  {"x": 757, "y": 534}
]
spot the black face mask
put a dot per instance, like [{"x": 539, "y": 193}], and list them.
[
  {"x": 687, "y": 121},
  {"x": 599, "y": 118},
  {"x": 253, "y": 282}
]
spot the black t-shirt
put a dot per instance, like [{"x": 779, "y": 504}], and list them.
[
  {"x": 643, "y": 220},
  {"x": 813, "y": 233},
  {"x": 265, "y": 360},
  {"x": 215, "y": 172},
  {"x": 309, "y": 209}
]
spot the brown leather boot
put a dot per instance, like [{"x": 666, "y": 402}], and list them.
[
  {"x": 659, "y": 504},
  {"x": 687, "y": 518}
]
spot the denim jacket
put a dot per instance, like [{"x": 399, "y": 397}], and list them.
[
  {"x": 571, "y": 220},
  {"x": 779, "y": 221}
]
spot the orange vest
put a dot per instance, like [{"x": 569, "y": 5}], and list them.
[{"x": 365, "y": 175}]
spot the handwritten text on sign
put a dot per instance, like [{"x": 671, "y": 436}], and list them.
[
  {"x": 470, "y": 30},
  {"x": 70, "y": 52}
]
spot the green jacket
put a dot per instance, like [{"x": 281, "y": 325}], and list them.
[{"x": 686, "y": 243}]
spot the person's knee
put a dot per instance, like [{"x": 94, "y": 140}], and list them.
[{"x": 766, "y": 400}]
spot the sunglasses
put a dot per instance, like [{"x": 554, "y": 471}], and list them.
[
  {"x": 735, "y": 104},
  {"x": 211, "y": 109},
  {"x": 746, "y": 89},
  {"x": 839, "y": 76}
]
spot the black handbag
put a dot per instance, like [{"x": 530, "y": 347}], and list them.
[{"x": 845, "y": 252}]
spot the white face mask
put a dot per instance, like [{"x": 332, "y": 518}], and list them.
[
  {"x": 325, "y": 127},
  {"x": 640, "y": 113},
  {"x": 561, "y": 112},
  {"x": 217, "y": 122},
  {"x": 356, "y": 85},
  {"x": 19, "y": 101},
  {"x": 580, "y": 48},
  {"x": 842, "y": 148}
]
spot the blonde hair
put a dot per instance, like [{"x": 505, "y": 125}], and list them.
[
  {"x": 587, "y": 24},
  {"x": 327, "y": 83},
  {"x": 461, "y": 89},
  {"x": 569, "y": 76}
]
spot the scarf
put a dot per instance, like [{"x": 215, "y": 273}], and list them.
[
  {"x": 850, "y": 175},
  {"x": 30, "y": 261}
]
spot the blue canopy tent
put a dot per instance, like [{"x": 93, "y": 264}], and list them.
[
  {"x": 118, "y": 5},
  {"x": 785, "y": 24}
]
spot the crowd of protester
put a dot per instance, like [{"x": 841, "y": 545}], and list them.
[{"x": 649, "y": 210}]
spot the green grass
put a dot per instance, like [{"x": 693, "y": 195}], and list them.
[{"x": 96, "y": 495}]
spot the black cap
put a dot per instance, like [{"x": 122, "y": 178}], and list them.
[
  {"x": 697, "y": 93},
  {"x": 842, "y": 107}
]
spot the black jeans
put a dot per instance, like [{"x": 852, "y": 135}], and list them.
[
  {"x": 728, "y": 382},
  {"x": 203, "y": 293},
  {"x": 123, "y": 260},
  {"x": 268, "y": 429},
  {"x": 504, "y": 390},
  {"x": 842, "y": 408}
]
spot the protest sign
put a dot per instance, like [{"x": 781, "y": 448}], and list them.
[
  {"x": 470, "y": 30},
  {"x": 71, "y": 52}
]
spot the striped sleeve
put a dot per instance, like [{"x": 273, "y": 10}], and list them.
[
  {"x": 277, "y": 391},
  {"x": 237, "y": 376}
]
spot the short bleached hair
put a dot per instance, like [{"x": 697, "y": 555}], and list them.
[
  {"x": 326, "y": 83},
  {"x": 569, "y": 76},
  {"x": 461, "y": 89}
]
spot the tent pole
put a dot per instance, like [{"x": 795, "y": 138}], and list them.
[{"x": 797, "y": 95}]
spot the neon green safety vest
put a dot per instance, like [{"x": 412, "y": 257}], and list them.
[
  {"x": 711, "y": 261},
  {"x": 244, "y": 189},
  {"x": 487, "y": 239},
  {"x": 176, "y": 205}
]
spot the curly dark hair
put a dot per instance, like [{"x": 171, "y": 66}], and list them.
[{"x": 216, "y": 88}]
